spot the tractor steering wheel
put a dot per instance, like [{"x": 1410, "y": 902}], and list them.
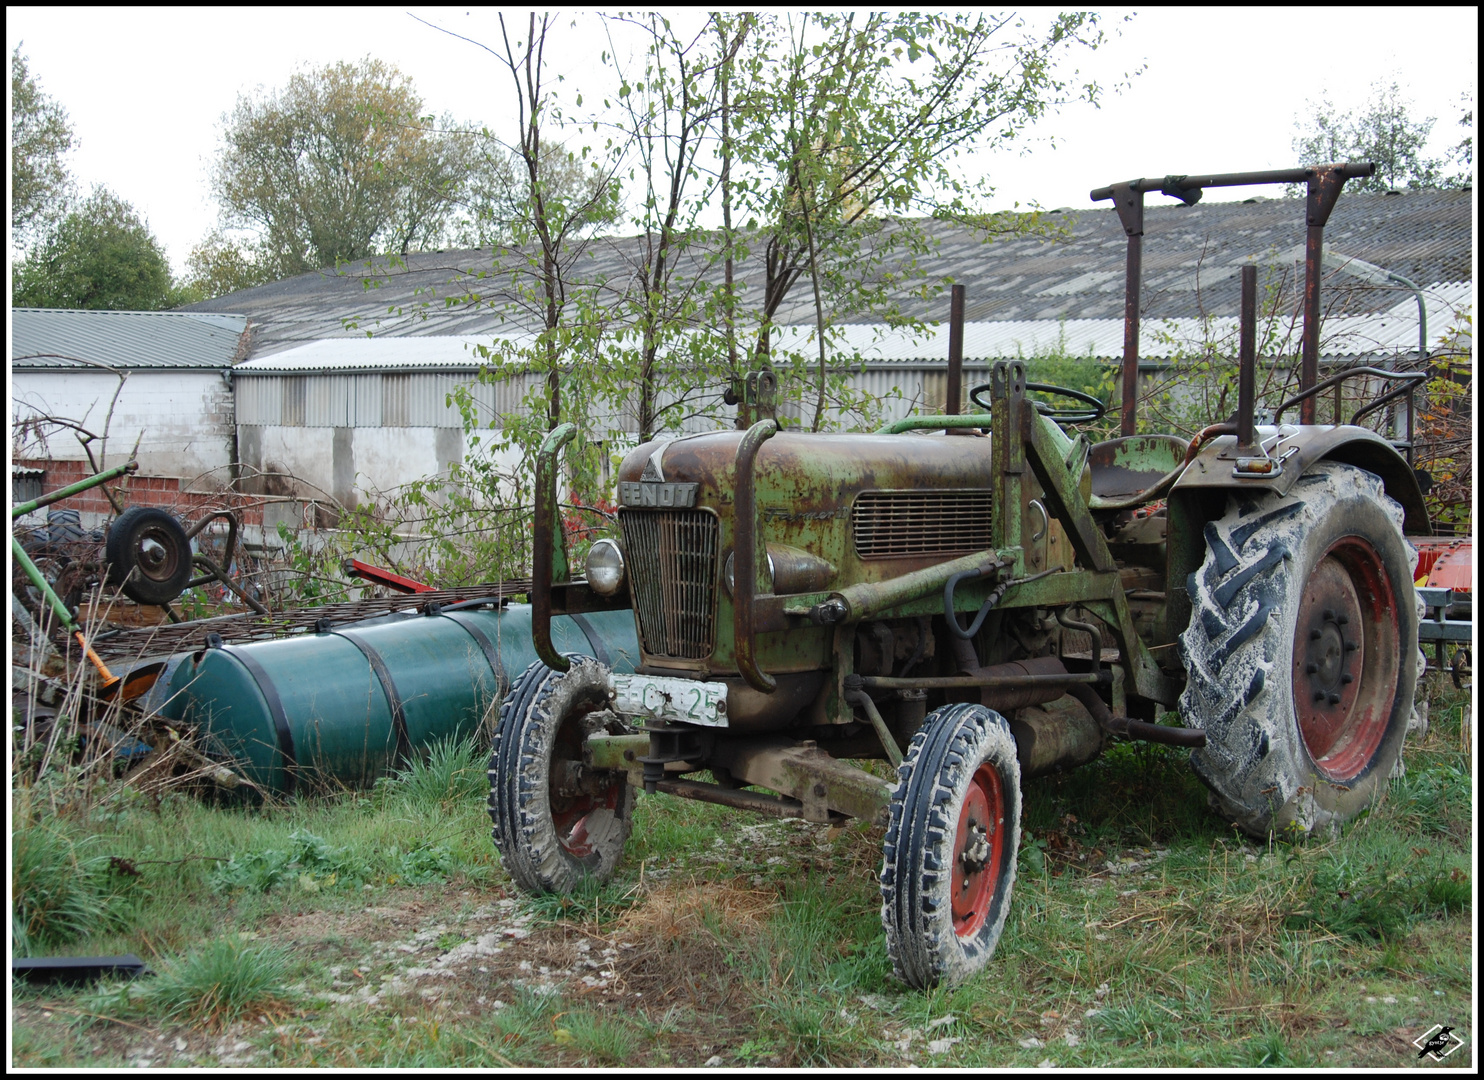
[{"x": 1091, "y": 413}]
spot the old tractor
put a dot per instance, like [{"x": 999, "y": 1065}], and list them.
[{"x": 989, "y": 602}]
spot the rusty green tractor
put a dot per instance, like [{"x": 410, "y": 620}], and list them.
[{"x": 976, "y": 599}]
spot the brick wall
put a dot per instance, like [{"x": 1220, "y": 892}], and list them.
[{"x": 142, "y": 490}]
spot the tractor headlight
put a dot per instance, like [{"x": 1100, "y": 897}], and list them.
[
  {"x": 730, "y": 573},
  {"x": 605, "y": 567}
]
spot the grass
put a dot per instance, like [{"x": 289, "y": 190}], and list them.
[
  {"x": 453, "y": 773},
  {"x": 221, "y": 982},
  {"x": 62, "y": 893},
  {"x": 1144, "y": 934}
]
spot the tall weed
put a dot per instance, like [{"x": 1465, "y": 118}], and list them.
[
  {"x": 309, "y": 860},
  {"x": 61, "y": 893},
  {"x": 221, "y": 982},
  {"x": 454, "y": 773},
  {"x": 1379, "y": 894}
]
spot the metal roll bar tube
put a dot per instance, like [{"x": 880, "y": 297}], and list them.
[
  {"x": 746, "y": 550},
  {"x": 549, "y": 554},
  {"x": 1324, "y": 185}
]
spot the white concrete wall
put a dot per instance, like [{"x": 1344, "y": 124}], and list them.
[
  {"x": 355, "y": 464},
  {"x": 183, "y": 419}
]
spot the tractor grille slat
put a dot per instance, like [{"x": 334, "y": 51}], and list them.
[
  {"x": 896, "y": 523},
  {"x": 673, "y": 557}
]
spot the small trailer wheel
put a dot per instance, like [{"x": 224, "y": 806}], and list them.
[
  {"x": 556, "y": 823},
  {"x": 148, "y": 555},
  {"x": 951, "y": 844}
]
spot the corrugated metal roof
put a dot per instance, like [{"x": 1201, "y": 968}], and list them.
[
  {"x": 1383, "y": 333},
  {"x": 1191, "y": 256},
  {"x": 443, "y": 353},
  {"x": 51, "y": 338}
]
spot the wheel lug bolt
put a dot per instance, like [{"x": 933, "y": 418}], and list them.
[
  {"x": 1311, "y": 667},
  {"x": 1319, "y": 695},
  {"x": 1315, "y": 635},
  {"x": 1347, "y": 678},
  {"x": 1351, "y": 646},
  {"x": 1334, "y": 699},
  {"x": 1329, "y": 614},
  {"x": 1343, "y": 619}
]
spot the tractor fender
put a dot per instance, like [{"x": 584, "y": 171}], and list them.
[{"x": 1214, "y": 465}]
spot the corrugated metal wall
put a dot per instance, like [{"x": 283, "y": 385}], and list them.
[
  {"x": 370, "y": 400},
  {"x": 416, "y": 400}
]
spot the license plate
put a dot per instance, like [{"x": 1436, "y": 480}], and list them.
[{"x": 680, "y": 701}]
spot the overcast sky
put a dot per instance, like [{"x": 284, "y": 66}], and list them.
[{"x": 145, "y": 88}]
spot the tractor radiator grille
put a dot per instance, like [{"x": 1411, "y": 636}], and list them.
[
  {"x": 673, "y": 561},
  {"x": 894, "y": 523}
]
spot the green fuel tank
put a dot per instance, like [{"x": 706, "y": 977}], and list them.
[{"x": 350, "y": 703}]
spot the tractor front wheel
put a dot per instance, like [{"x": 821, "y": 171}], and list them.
[
  {"x": 951, "y": 843},
  {"x": 556, "y": 822},
  {"x": 1301, "y": 653}
]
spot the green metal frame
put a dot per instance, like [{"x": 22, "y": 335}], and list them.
[{"x": 23, "y": 560}]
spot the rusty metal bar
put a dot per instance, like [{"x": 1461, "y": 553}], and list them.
[
  {"x": 955, "y": 352},
  {"x": 993, "y": 682},
  {"x": 1325, "y": 183},
  {"x": 746, "y": 551},
  {"x": 1247, "y": 361},
  {"x": 1411, "y": 378},
  {"x": 548, "y": 544},
  {"x": 756, "y": 801},
  {"x": 1309, "y": 365},
  {"x": 868, "y": 599},
  {"x": 218, "y": 574},
  {"x": 1129, "y": 202},
  {"x": 888, "y": 742},
  {"x": 1350, "y": 170}
]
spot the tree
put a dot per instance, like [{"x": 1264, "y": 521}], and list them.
[
  {"x": 101, "y": 256},
  {"x": 494, "y": 206},
  {"x": 666, "y": 113},
  {"x": 219, "y": 265},
  {"x": 1382, "y": 130},
  {"x": 1462, "y": 153},
  {"x": 850, "y": 123},
  {"x": 340, "y": 165},
  {"x": 820, "y": 136},
  {"x": 39, "y": 136}
]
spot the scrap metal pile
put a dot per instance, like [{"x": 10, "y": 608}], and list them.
[{"x": 262, "y": 703}]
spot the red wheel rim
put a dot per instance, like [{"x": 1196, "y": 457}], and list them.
[
  {"x": 978, "y": 851},
  {"x": 573, "y": 798},
  {"x": 1346, "y": 659}
]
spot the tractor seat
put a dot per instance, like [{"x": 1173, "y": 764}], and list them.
[{"x": 1134, "y": 470}]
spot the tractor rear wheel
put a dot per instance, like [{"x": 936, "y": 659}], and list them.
[
  {"x": 555, "y": 821},
  {"x": 1301, "y": 653},
  {"x": 951, "y": 843}
]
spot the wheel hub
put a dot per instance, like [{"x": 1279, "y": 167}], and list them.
[
  {"x": 977, "y": 851},
  {"x": 152, "y": 554},
  {"x": 1330, "y": 660},
  {"x": 1345, "y": 658},
  {"x": 575, "y": 791}
]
